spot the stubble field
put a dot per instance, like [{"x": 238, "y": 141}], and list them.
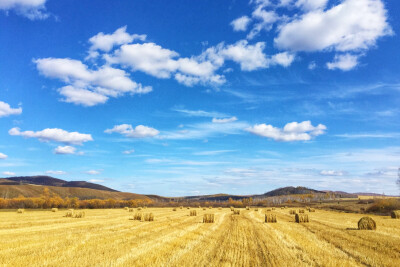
[{"x": 109, "y": 238}]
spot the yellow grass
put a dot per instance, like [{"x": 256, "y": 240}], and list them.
[{"x": 107, "y": 238}]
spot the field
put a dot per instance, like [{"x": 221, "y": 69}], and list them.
[{"x": 109, "y": 238}]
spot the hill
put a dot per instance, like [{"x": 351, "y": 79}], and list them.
[{"x": 32, "y": 186}]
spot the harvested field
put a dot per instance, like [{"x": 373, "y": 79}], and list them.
[{"x": 108, "y": 238}]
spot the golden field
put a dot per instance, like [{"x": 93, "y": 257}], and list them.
[{"x": 106, "y": 237}]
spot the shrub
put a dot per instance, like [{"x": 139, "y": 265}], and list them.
[
  {"x": 148, "y": 217},
  {"x": 366, "y": 223},
  {"x": 208, "y": 218},
  {"x": 385, "y": 205},
  {"x": 20, "y": 211},
  {"x": 301, "y": 218},
  {"x": 270, "y": 218},
  {"x": 236, "y": 212},
  {"x": 54, "y": 210},
  {"x": 395, "y": 214},
  {"x": 193, "y": 213}
]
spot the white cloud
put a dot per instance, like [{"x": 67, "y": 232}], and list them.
[
  {"x": 240, "y": 24},
  {"x": 266, "y": 20},
  {"x": 65, "y": 150},
  {"x": 93, "y": 172},
  {"x": 293, "y": 131},
  {"x": 32, "y": 9},
  {"x": 127, "y": 130},
  {"x": 344, "y": 62},
  {"x": 55, "y": 135},
  {"x": 7, "y": 173},
  {"x": 128, "y": 152},
  {"x": 55, "y": 172},
  {"x": 224, "y": 120},
  {"x": 348, "y": 26},
  {"x": 160, "y": 62},
  {"x": 85, "y": 86},
  {"x": 312, "y": 65},
  {"x": 3, "y": 156},
  {"x": 331, "y": 173},
  {"x": 199, "y": 113},
  {"x": 6, "y": 110},
  {"x": 309, "y": 5},
  {"x": 106, "y": 42},
  {"x": 284, "y": 59}
]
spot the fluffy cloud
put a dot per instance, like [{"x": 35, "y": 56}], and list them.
[
  {"x": 88, "y": 87},
  {"x": 240, "y": 24},
  {"x": 343, "y": 62},
  {"x": 331, "y": 173},
  {"x": 350, "y": 25},
  {"x": 293, "y": 131},
  {"x": 6, "y": 110},
  {"x": 162, "y": 63},
  {"x": 55, "y": 135},
  {"x": 7, "y": 173},
  {"x": 65, "y": 150},
  {"x": 309, "y": 5},
  {"x": 127, "y": 130},
  {"x": 93, "y": 172},
  {"x": 265, "y": 20},
  {"x": 32, "y": 9},
  {"x": 106, "y": 42},
  {"x": 224, "y": 120},
  {"x": 3, "y": 156},
  {"x": 55, "y": 172}
]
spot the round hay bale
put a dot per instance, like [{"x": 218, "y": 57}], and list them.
[
  {"x": 395, "y": 214},
  {"x": 193, "y": 213},
  {"x": 236, "y": 212},
  {"x": 20, "y": 211},
  {"x": 301, "y": 218},
  {"x": 270, "y": 218},
  {"x": 54, "y": 209},
  {"x": 366, "y": 223}
]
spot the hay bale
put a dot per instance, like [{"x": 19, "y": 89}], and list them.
[
  {"x": 273, "y": 208},
  {"x": 181, "y": 207},
  {"x": 145, "y": 207},
  {"x": 301, "y": 211},
  {"x": 311, "y": 210},
  {"x": 282, "y": 208},
  {"x": 80, "y": 214},
  {"x": 174, "y": 209},
  {"x": 138, "y": 216},
  {"x": 193, "y": 213},
  {"x": 20, "y": 210},
  {"x": 131, "y": 210},
  {"x": 247, "y": 208},
  {"x": 301, "y": 218},
  {"x": 210, "y": 207},
  {"x": 188, "y": 208},
  {"x": 208, "y": 218},
  {"x": 219, "y": 208},
  {"x": 54, "y": 210},
  {"x": 126, "y": 208},
  {"x": 270, "y": 218},
  {"x": 148, "y": 217},
  {"x": 70, "y": 213},
  {"x": 366, "y": 223},
  {"x": 395, "y": 214},
  {"x": 256, "y": 209},
  {"x": 268, "y": 210},
  {"x": 139, "y": 208},
  {"x": 236, "y": 212},
  {"x": 204, "y": 209},
  {"x": 292, "y": 212},
  {"x": 232, "y": 208}
]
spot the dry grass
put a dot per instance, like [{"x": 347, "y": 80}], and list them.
[
  {"x": 301, "y": 218},
  {"x": 106, "y": 238},
  {"x": 395, "y": 214},
  {"x": 208, "y": 218},
  {"x": 193, "y": 213},
  {"x": 270, "y": 218},
  {"x": 366, "y": 223},
  {"x": 54, "y": 210}
]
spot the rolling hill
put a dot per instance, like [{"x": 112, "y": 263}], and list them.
[{"x": 32, "y": 186}]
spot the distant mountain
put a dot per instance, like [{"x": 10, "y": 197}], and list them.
[
  {"x": 290, "y": 190},
  {"x": 50, "y": 181},
  {"x": 32, "y": 186}
]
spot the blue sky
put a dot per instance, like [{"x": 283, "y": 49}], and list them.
[{"x": 200, "y": 97}]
